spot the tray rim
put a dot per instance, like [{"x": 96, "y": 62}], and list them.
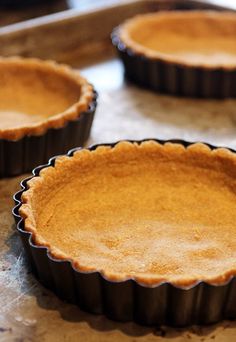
[{"x": 65, "y": 15}]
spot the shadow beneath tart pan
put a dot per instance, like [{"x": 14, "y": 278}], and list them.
[{"x": 72, "y": 313}]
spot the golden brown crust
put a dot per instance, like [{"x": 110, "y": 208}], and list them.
[
  {"x": 60, "y": 119},
  {"x": 163, "y": 35},
  {"x": 216, "y": 172}
]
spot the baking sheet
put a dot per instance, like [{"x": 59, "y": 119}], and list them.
[{"x": 29, "y": 312}]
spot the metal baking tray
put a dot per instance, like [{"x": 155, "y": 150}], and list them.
[{"x": 82, "y": 38}]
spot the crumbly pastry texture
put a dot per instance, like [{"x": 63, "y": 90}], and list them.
[
  {"x": 37, "y": 95},
  {"x": 191, "y": 38},
  {"x": 149, "y": 212}
]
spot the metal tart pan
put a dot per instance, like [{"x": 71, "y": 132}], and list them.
[
  {"x": 175, "y": 78},
  {"x": 21, "y": 156},
  {"x": 128, "y": 300}
]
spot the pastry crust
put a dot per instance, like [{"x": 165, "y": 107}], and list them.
[
  {"x": 37, "y": 76},
  {"x": 188, "y": 38},
  {"x": 149, "y": 212}
]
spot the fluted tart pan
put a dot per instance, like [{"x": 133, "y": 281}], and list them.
[
  {"x": 45, "y": 109},
  {"x": 141, "y": 230},
  {"x": 184, "y": 53}
]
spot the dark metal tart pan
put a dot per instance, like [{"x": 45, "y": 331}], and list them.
[
  {"x": 21, "y": 156},
  {"x": 175, "y": 78},
  {"x": 128, "y": 300}
]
